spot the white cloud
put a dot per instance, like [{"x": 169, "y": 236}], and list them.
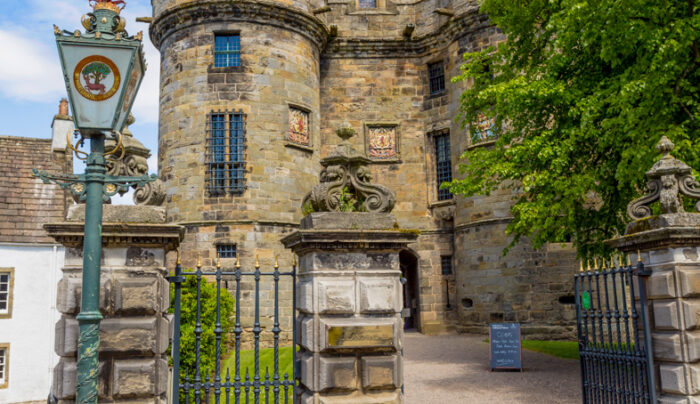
[
  {"x": 29, "y": 69},
  {"x": 29, "y": 66}
]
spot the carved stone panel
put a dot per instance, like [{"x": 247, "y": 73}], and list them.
[
  {"x": 299, "y": 126},
  {"x": 382, "y": 142}
]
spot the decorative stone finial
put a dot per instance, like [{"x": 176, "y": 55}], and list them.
[
  {"x": 669, "y": 178},
  {"x": 134, "y": 163},
  {"x": 345, "y": 131},
  {"x": 345, "y": 182},
  {"x": 665, "y": 146}
]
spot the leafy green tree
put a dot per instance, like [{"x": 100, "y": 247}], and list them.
[
  {"x": 581, "y": 91},
  {"x": 98, "y": 71},
  {"x": 188, "y": 319}
]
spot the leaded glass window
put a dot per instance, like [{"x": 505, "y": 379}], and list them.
[
  {"x": 446, "y": 264},
  {"x": 4, "y": 292},
  {"x": 226, "y": 153},
  {"x": 367, "y": 3},
  {"x": 226, "y": 250},
  {"x": 227, "y": 50},
  {"x": 443, "y": 164},
  {"x": 3, "y": 366},
  {"x": 436, "y": 74}
]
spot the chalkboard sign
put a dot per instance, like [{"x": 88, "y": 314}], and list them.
[{"x": 505, "y": 346}]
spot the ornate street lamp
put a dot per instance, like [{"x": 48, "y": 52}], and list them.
[{"x": 103, "y": 69}]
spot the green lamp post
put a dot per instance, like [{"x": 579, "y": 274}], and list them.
[{"x": 103, "y": 68}]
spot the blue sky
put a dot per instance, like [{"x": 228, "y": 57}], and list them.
[{"x": 30, "y": 74}]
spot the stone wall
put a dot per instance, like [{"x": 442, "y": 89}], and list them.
[
  {"x": 134, "y": 299},
  {"x": 343, "y": 64},
  {"x": 350, "y": 329}
]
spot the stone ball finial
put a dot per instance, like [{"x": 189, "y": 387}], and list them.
[
  {"x": 668, "y": 180},
  {"x": 665, "y": 145},
  {"x": 345, "y": 131}
]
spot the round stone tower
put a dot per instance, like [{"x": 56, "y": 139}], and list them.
[{"x": 239, "y": 123}]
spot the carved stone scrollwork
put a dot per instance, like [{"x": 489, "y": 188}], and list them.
[
  {"x": 346, "y": 179},
  {"x": 134, "y": 163},
  {"x": 669, "y": 178}
]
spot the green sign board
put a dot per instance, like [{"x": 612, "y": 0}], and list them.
[{"x": 586, "y": 300}]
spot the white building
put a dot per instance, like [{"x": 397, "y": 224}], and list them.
[{"x": 30, "y": 262}]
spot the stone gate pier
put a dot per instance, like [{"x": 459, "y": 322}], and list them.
[
  {"x": 349, "y": 296},
  {"x": 134, "y": 299},
  {"x": 348, "y": 290},
  {"x": 669, "y": 244}
]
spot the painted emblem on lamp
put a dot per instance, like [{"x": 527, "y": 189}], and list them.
[
  {"x": 382, "y": 142},
  {"x": 96, "y": 78}
]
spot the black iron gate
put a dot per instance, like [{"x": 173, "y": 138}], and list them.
[
  {"x": 614, "y": 337},
  {"x": 208, "y": 385}
]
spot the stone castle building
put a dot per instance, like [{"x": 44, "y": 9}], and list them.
[{"x": 252, "y": 93}]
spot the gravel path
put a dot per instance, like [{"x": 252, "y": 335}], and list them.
[{"x": 454, "y": 369}]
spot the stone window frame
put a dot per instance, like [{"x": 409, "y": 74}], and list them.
[
  {"x": 387, "y": 124},
  {"x": 228, "y": 165},
  {"x": 383, "y": 7},
  {"x": 447, "y": 258},
  {"x": 222, "y": 244},
  {"x": 228, "y": 69},
  {"x": 290, "y": 143},
  {"x": 10, "y": 295},
  {"x": 5, "y": 381},
  {"x": 435, "y": 194},
  {"x": 443, "y": 90}
]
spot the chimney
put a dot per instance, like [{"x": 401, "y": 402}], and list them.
[{"x": 61, "y": 126}]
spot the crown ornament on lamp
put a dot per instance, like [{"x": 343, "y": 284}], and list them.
[{"x": 102, "y": 68}]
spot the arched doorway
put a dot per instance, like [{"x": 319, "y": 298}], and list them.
[{"x": 408, "y": 262}]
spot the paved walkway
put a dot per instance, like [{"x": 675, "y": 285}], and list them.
[{"x": 453, "y": 369}]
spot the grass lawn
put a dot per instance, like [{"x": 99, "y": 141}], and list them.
[
  {"x": 560, "y": 349},
  {"x": 266, "y": 363}
]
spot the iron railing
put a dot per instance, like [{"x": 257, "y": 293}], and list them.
[
  {"x": 203, "y": 387},
  {"x": 614, "y": 336}
]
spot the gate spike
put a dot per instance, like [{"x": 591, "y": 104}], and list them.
[
  {"x": 595, "y": 264},
  {"x": 218, "y": 262},
  {"x": 604, "y": 266},
  {"x": 276, "y": 264},
  {"x": 238, "y": 261},
  {"x": 178, "y": 257},
  {"x": 257, "y": 263},
  {"x": 199, "y": 260},
  {"x": 629, "y": 261},
  {"x": 588, "y": 265},
  {"x": 639, "y": 256},
  {"x": 580, "y": 268},
  {"x": 294, "y": 259}
]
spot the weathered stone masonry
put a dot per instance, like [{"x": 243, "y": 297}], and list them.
[
  {"x": 134, "y": 299},
  {"x": 365, "y": 67}
]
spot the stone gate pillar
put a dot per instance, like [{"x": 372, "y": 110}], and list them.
[
  {"x": 134, "y": 299},
  {"x": 670, "y": 246},
  {"x": 348, "y": 289},
  {"x": 349, "y": 298}
]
